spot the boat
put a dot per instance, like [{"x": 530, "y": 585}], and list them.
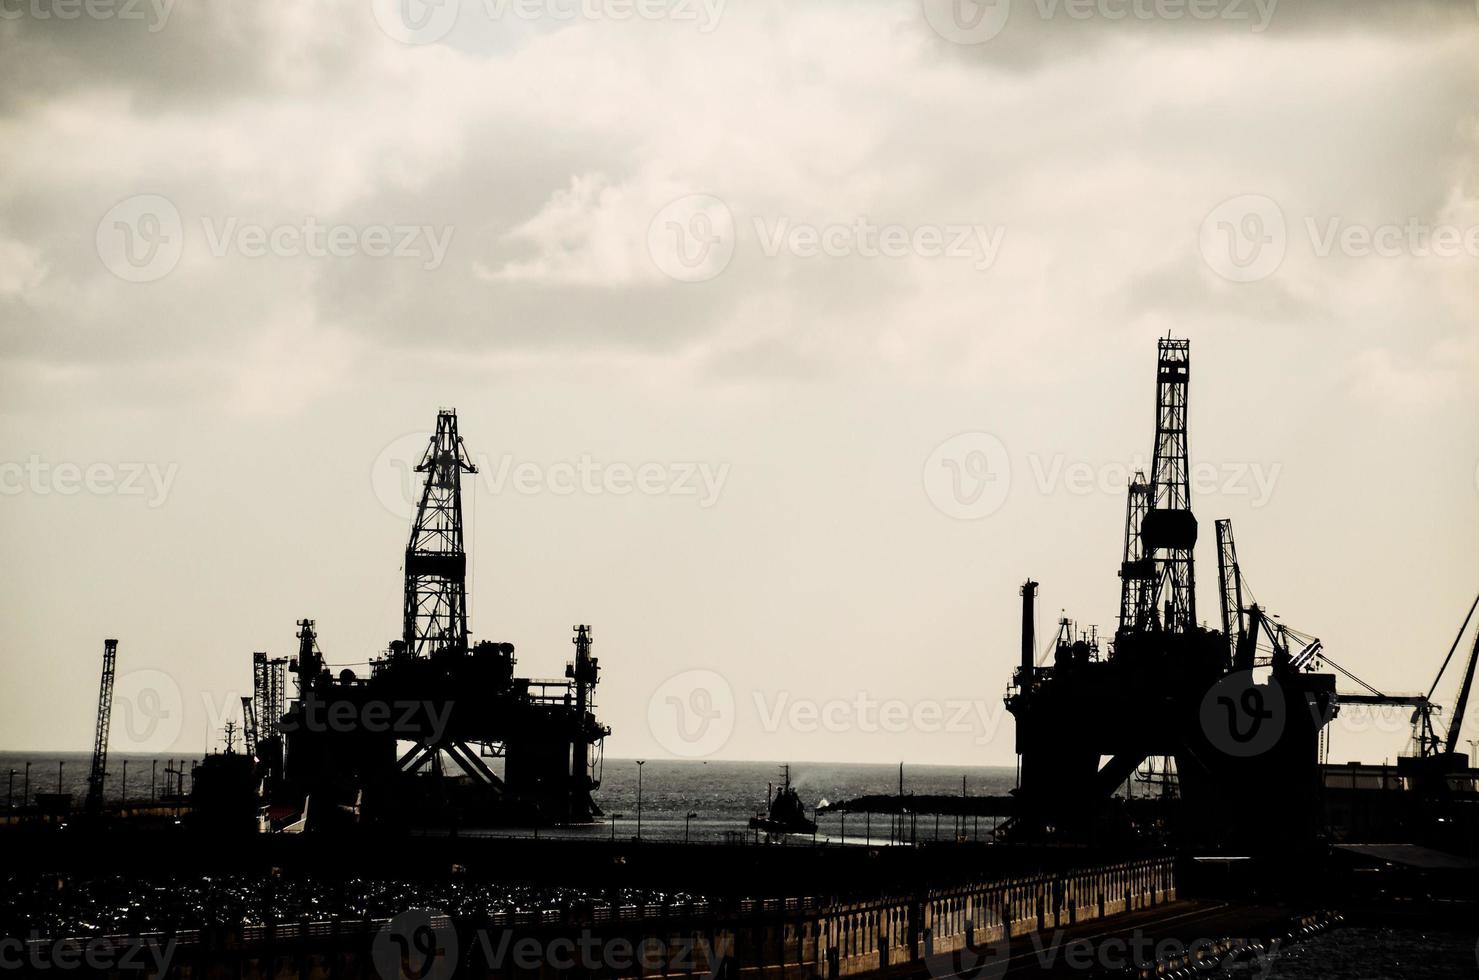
[{"x": 786, "y": 813}]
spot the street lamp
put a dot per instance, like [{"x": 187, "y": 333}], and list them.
[
  {"x": 614, "y": 817},
  {"x": 10, "y": 795},
  {"x": 640, "y": 764},
  {"x": 685, "y": 826}
]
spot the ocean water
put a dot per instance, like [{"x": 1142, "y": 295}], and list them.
[{"x": 722, "y": 795}]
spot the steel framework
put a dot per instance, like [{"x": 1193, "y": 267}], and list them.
[
  {"x": 1169, "y": 532},
  {"x": 1137, "y": 571},
  {"x": 99, "y": 771},
  {"x": 436, "y": 561}
]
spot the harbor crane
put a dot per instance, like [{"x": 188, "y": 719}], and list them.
[{"x": 99, "y": 770}]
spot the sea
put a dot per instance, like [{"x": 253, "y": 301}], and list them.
[{"x": 701, "y": 801}]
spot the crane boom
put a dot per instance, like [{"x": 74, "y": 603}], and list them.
[
  {"x": 99, "y": 769},
  {"x": 1230, "y": 578},
  {"x": 1456, "y": 723}
]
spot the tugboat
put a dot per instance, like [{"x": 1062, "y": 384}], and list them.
[{"x": 787, "y": 813}]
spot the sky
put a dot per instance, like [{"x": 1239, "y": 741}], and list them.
[{"x": 789, "y": 337}]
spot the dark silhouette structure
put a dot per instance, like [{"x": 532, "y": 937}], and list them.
[
  {"x": 1246, "y": 750},
  {"x": 98, "y": 774},
  {"x": 417, "y": 740}
]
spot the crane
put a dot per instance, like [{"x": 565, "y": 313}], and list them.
[
  {"x": 1242, "y": 624},
  {"x": 249, "y": 724},
  {"x": 99, "y": 769},
  {"x": 1456, "y": 723}
]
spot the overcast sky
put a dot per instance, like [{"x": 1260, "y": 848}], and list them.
[{"x": 790, "y": 338}]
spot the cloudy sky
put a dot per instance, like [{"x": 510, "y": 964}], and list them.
[{"x": 790, "y": 337}]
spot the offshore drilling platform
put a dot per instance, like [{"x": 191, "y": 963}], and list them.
[
  {"x": 375, "y": 750},
  {"x": 1246, "y": 748}
]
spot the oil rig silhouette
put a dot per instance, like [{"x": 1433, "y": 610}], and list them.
[
  {"x": 376, "y": 750},
  {"x": 1239, "y": 713}
]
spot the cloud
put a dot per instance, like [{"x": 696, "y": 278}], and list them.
[{"x": 546, "y": 150}]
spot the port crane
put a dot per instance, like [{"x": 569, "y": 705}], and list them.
[
  {"x": 1242, "y": 623},
  {"x": 99, "y": 771}
]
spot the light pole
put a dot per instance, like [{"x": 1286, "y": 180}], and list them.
[
  {"x": 640, "y": 764},
  {"x": 153, "y": 790},
  {"x": 614, "y": 817},
  {"x": 685, "y": 826},
  {"x": 59, "y": 765},
  {"x": 26, "y": 791}
]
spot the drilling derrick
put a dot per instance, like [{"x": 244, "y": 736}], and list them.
[
  {"x": 99, "y": 771},
  {"x": 269, "y": 694},
  {"x": 1169, "y": 532},
  {"x": 436, "y": 563},
  {"x": 1137, "y": 572}
]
